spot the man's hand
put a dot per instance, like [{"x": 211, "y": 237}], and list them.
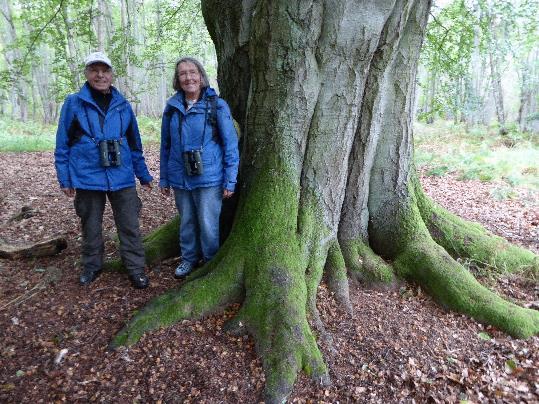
[
  {"x": 165, "y": 191},
  {"x": 227, "y": 194},
  {"x": 147, "y": 186},
  {"x": 69, "y": 191}
]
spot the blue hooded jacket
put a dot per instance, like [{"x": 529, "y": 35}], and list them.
[
  {"x": 81, "y": 127},
  {"x": 220, "y": 156}
]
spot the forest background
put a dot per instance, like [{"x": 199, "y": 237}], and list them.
[
  {"x": 477, "y": 88},
  {"x": 479, "y": 61},
  {"x": 476, "y": 118}
]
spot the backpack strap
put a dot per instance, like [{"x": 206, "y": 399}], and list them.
[
  {"x": 213, "y": 118},
  {"x": 169, "y": 111}
]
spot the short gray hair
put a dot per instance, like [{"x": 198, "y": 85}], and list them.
[{"x": 203, "y": 76}]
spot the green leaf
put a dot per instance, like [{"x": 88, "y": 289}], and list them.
[
  {"x": 484, "y": 336},
  {"x": 20, "y": 373},
  {"x": 510, "y": 366}
]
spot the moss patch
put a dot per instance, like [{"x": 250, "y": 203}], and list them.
[
  {"x": 365, "y": 265},
  {"x": 469, "y": 240},
  {"x": 160, "y": 244},
  {"x": 455, "y": 288}
]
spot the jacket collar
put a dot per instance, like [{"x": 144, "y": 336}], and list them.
[{"x": 86, "y": 95}]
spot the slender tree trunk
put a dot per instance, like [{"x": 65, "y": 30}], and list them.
[
  {"x": 41, "y": 74},
  {"x": 126, "y": 19},
  {"x": 497, "y": 91},
  {"x": 529, "y": 93},
  {"x": 100, "y": 25},
  {"x": 72, "y": 53},
  {"x": 496, "y": 77},
  {"x": 325, "y": 95},
  {"x": 17, "y": 93}
]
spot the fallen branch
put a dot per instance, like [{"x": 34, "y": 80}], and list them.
[
  {"x": 26, "y": 213},
  {"x": 51, "y": 276},
  {"x": 40, "y": 249}
]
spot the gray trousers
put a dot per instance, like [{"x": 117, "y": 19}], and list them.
[{"x": 125, "y": 203}]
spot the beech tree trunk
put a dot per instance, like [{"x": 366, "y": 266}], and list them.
[{"x": 324, "y": 91}]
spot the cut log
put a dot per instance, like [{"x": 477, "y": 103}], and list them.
[{"x": 40, "y": 249}]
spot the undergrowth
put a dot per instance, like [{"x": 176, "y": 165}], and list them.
[
  {"x": 480, "y": 153},
  {"x": 30, "y": 136},
  {"x": 17, "y": 136}
]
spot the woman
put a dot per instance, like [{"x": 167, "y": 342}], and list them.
[{"x": 199, "y": 160}]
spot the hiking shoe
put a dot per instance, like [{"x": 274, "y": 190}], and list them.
[
  {"x": 88, "y": 277},
  {"x": 183, "y": 269},
  {"x": 139, "y": 281}
]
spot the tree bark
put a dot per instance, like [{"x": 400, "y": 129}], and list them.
[
  {"x": 529, "y": 91},
  {"x": 325, "y": 95},
  {"x": 100, "y": 25},
  {"x": 72, "y": 53}
]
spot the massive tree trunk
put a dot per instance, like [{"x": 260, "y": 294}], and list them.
[{"x": 324, "y": 92}]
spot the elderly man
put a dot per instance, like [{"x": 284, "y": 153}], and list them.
[{"x": 98, "y": 154}]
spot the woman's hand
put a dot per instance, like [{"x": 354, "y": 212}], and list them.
[
  {"x": 227, "y": 194},
  {"x": 164, "y": 191}
]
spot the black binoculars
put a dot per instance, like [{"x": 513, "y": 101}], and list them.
[
  {"x": 109, "y": 153},
  {"x": 192, "y": 161}
]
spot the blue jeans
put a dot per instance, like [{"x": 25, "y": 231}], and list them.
[{"x": 199, "y": 211}]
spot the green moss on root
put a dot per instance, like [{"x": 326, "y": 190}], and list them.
[
  {"x": 336, "y": 278},
  {"x": 284, "y": 261},
  {"x": 193, "y": 300},
  {"x": 470, "y": 240},
  {"x": 451, "y": 285},
  {"x": 422, "y": 261},
  {"x": 365, "y": 265},
  {"x": 160, "y": 244}
]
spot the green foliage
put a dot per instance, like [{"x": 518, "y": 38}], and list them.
[
  {"x": 462, "y": 41},
  {"x": 449, "y": 39},
  {"x": 439, "y": 171},
  {"x": 447, "y": 54},
  {"x": 16, "y": 136},
  {"x": 479, "y": 154},
  {"x": 54, "y": 36},
  {"x": 150, "y": 129}
]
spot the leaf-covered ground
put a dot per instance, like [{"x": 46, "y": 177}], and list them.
[{"x": 398, "y": 346}]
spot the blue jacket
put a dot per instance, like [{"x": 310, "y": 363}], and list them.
[
  {"x": 220, "y": 156},
  {"x": 79, "y": 132}
]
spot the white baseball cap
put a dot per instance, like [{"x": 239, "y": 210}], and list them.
[{"x": 97, "y": 57}]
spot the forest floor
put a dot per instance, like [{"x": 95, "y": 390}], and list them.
[{"x": 398, "y": 346}]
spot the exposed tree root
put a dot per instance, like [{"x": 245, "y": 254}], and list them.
[
  {"x": 277, "y": 319},
  {"x": 470, "y": 240},
  {"x": 163, "y": 242},
  {"x": 194, "y": 299},
  {"x": 365, "y": 265},
  {"x": 426, "y": 263},
  {"x": 160, "y": 244},
  {"x": 278, "y": 289},
  {"x": 336, "y": 278}
]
